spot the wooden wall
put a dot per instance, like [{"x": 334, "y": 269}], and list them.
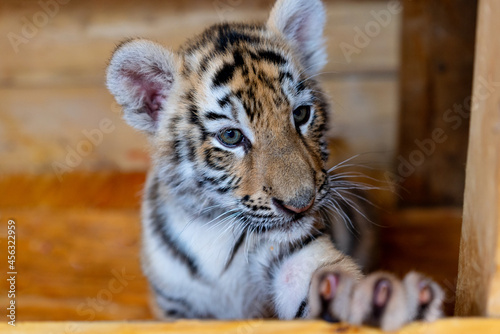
[
  {"x": 54, "y": 53},
  {"x": 436, "y": 88}
]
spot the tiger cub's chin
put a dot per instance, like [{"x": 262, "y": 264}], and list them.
[{"x": 240, "y": 217}]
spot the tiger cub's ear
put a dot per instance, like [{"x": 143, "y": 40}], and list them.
[
  {"x": 141, "y": 75},
  {"x": 302, "y": 23}
]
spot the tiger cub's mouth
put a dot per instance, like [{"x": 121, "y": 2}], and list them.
[{"x": 278, "y": 216}]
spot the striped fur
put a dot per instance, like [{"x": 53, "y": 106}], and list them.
[{"x": 256, "y": 228}]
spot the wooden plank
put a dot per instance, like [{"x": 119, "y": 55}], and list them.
[
  {"x": 110, "y": 190},
  {"x": 436, "y": 76},
  {"x": 73, "y": 45},
  {"x": 479, "y": 276},
  {"x": 78, "y": 264},
  {"x": 455, "y": 325},
  {"x": 62, "y": 130}
]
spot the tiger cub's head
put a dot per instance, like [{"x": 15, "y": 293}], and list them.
[{"x": 235, "y": 116}]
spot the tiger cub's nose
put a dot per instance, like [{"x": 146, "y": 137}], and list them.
[
  {"x": 299, "y": 210},
  {"x": 297, "y": 205}
]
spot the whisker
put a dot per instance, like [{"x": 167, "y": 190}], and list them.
[
  {"x": 361, "y": 198},
  {"x": 336, "y": 211},
  {"x": 353, "y": 205},
  {"x": 342, "y": 163}
]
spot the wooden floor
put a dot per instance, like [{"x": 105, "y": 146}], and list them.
[
  {"x": 452, "y": 325},
  {"x": 78, "y": 240}
]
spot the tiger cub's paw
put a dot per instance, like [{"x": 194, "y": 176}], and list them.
[{"x": 379, "y": 299}]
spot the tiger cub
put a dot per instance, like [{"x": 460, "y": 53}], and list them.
[{"x": 240, "y": 217}]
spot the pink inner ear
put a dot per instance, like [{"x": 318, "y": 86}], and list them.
[
  {"x": 153, "y": 105},
  {"x": 152, "y": 92}
]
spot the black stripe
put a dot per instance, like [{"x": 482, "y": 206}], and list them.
[
  {"x": 304, "y": 242},
  {"x": 176, "y": 146},
  {"x": 171, "y": 313},
  {"x": 160, "y": 228},
  {"x": 286, "y": 75},
  {"x": 248, "y": 101},
  {"x": 177, "y": 300},
  {"x": 300, "y": 86},
  {"x": 213, "y": 180},
  {"x": 188, "y": 308},
  {"x": 324, "y": 184},
  {"x": 227, "y": 36},
  {"x": 238, "y": 59},
  {"x": 234, "y": 250},
  {"x": 324, "y": 150},
  {"x": 215, "y": 116},
  {"x": 189, "y": 96},
  {"x": 194, "y": 118},
  {"x": 223, "y": 190},
  {"x": 268, "y": 81},
  {"x": 292, "y": 249},
  {"x": 205, "y": 60},
  {"x": 173, "y": 123},
  {"x": 321, "y": 128},
  {"x": 191, "y": 149},
  {"x": 234, "y": 181},
  {"x": 237, "y": 182},
  {"x": 224, "y": 75},
  {"x": 224, "y": 101},
  {"x": 215, "y": 158},
  {"x": 231, "y": 184},
  {"x": 272, "y": 57},
  {"x": 301, "y": 310}
]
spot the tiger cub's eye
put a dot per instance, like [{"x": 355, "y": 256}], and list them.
[
  {"x": 230, "y": 137},
  {"x": 301, "y": 115}
]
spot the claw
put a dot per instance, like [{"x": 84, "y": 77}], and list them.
[
  {"x": 328, "y": 287},
  {"x": 382, "y": 293},
  {"x": 425, "y": 294},
  {"x": 327, "y": 290}
]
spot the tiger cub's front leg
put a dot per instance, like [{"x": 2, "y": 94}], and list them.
[{"x": 320, "y": 282}]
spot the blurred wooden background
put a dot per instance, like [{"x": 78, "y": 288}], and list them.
[{"x": 78, "y": 228}]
